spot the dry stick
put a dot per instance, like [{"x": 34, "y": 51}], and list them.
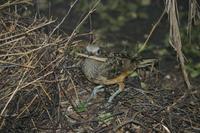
[
  {"x": 151, "y": 32},
  {"x": 126, "y": 122},
  {"x": 11, "y": 63},
  {"x": 11, "y": 97},
  {"x": 13, "y": 94},
  {"x": 28, "y": 31},
  {"x": 53, "y": 81},
  {"x": 8, "y": 4},
  {"x": 45, "y": 92},
  {"x": 32, "y": 82},
  {"x": 36, "y": 80},
  {"x": 191, "y": 14},
  {"x": 12, "y": 41},
  {"x": 92, "y": 57},
  {"x": 34, "y": 125},
  {"x": 31, "y": 51},
  {"x": 175, "y": 41},
  {"x": 59, "y": 99},
  {"x": 48, "y": 65},
  {"x": 83, "y": 20},
  {"x": 26, "y": 107},
  {"x": 75, "y": 89},
  {"x": 64, "y": 18}
]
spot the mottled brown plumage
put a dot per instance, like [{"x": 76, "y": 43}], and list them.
[
  {"x": 113, "y": 71},
  {"x": 105, "y": 72}
]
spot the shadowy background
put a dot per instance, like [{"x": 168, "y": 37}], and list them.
[{"x": 126, "y": 24}]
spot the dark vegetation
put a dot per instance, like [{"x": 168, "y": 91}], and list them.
[{"x": 42, "y": 89}]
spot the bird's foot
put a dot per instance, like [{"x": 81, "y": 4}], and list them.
[
  {"x": 109, "y": 103},
  {"x": 114, "y": 95},
  {"x": 96, "y": 89}
]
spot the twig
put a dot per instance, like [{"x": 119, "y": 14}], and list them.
[
  {"x": 28, "y": 52},
  {"x": 8, "y": 4},
  {"x": 151, "y": 32},
  {"x": 64, "y": 18},
  {"x": 11, "y": 63},
  {"x": 92, "y": 57},
  {"x": 26, "y": 107},
  {"x": 28, "y": 31},
  {"x": 175, "y": 38},
  {"x": 175, "y": 42},
  {"x": 82, "y": 21},
  {"x": 11, "y": 97}
]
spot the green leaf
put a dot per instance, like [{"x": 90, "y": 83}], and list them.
[
  {"x": 134, "y": 74},
  {"x": 105, "y": 117},
  {"x": 81, "y": 107}
]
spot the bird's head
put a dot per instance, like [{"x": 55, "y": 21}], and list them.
[{"x": 93, "y": 50}]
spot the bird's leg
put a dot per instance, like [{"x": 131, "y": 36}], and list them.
[
  {"x": 121, "y": 88},
  {"x": 96, "y": 89},
  {"x": 114, "y": 95}
]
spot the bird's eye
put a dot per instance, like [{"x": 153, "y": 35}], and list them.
[{"x": 98, "y": 52}]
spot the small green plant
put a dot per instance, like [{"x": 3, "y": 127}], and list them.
[
  {"x": 105, "y": 117},
  {"x": 81, "y": 107}
]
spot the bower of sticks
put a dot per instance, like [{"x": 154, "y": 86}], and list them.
[{"x": 42, "y": 87}]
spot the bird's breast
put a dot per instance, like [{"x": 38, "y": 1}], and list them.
[{"x": 92, "y": 69}]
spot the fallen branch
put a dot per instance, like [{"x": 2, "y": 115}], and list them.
[{"x": 92, "y": 57}]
